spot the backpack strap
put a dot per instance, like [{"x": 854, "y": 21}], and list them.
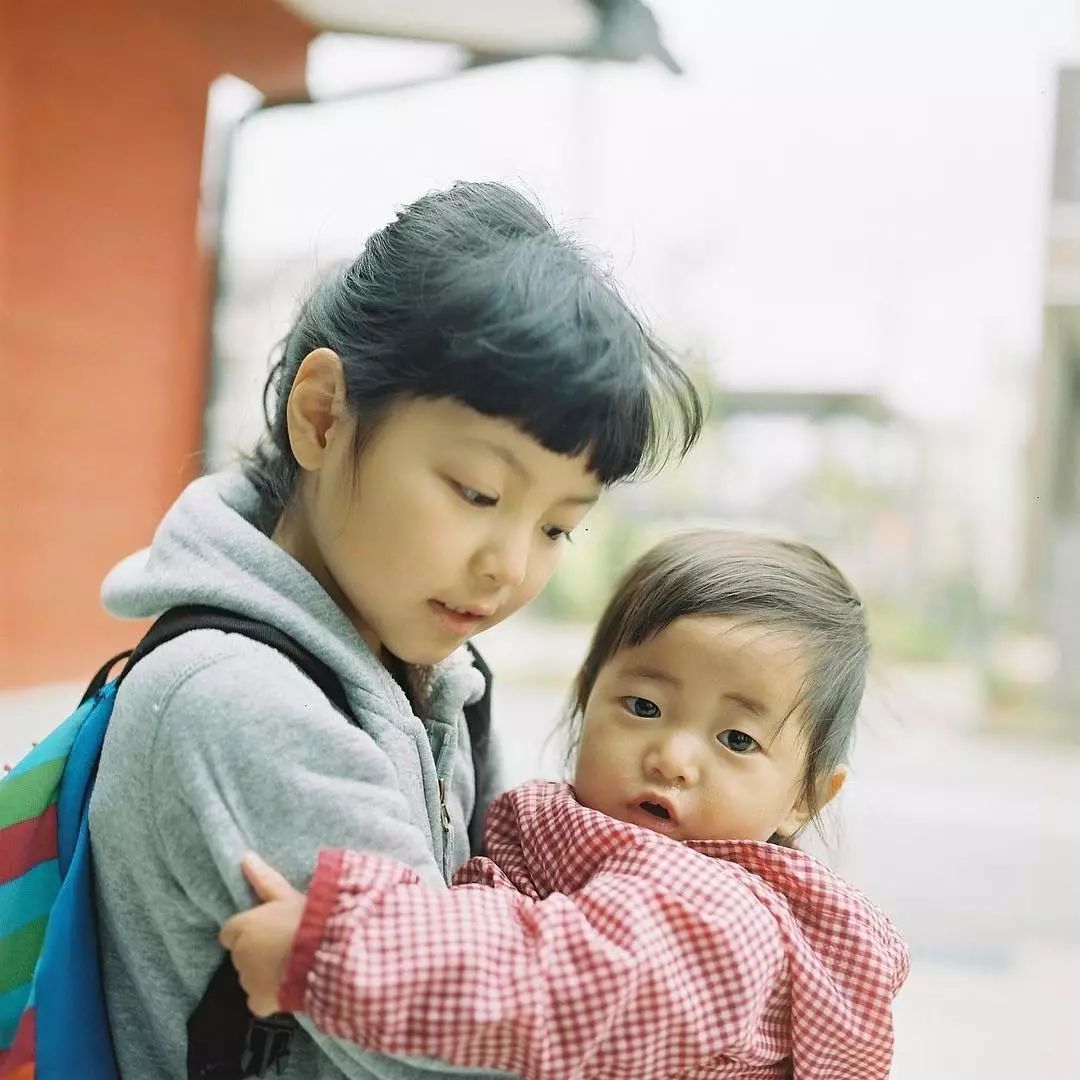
[
  {"x": 225, "y": 1040},
  {"x": 181, "y": 620},
  {"x": 478, "y": 720}
]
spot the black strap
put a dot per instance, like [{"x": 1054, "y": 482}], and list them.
[
  {"x": 225, "y": 1041},
  {"x": 102, "y": 677},
  {"x": 182, "y": 620},
  {"x": 478, "y": 720}
]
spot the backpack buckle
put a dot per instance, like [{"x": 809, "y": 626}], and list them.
[{"x": 267, "y": 1045}]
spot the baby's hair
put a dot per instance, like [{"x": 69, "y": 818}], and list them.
[
  {"x": 471, "y": 294},
  {"x": 778, "y": 584}
]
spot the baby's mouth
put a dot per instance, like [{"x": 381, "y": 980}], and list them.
[{"x": 656, "y": 810}]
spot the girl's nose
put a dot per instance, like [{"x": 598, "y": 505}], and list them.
[
  {"x": 505, "y": 558},
  {"x": 674, "y": 761}
]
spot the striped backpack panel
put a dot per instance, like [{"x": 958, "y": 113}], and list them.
[
  {"x": 53, "y": 1020},
  {"x": 44, "y": 884}
]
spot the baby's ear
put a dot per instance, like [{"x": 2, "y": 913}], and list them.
[
  {"x": 830, "y": 787},
  {"x": 801, "y": 813}
]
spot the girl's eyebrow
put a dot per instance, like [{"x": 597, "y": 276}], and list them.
[
  {"x": 582, "y": 500},
  {"x": 504, "y": 453}
]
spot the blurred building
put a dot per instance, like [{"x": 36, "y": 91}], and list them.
[
  {"x": 1054, "y": 506},
  {"x": 107, "y": 258},
  {"x": 837, "y": 468},
  {"x": 105, "y": 291}
]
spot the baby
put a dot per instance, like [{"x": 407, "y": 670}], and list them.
[{"x": 653, "y": 919}]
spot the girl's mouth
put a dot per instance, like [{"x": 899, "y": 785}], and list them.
[
  {"x": 459, "y": 620},
  {"x": 656, "y": 810}
]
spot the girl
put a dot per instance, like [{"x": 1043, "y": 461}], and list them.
[
  {"x": 444, "y": 413},
  {"x": 655, "y": 919}
]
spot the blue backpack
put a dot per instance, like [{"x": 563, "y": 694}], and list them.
[{"x": 53, "y": 1022}]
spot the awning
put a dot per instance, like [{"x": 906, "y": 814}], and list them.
[{"x": 623, "y": 30}]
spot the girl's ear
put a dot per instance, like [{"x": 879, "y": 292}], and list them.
[
  {"x": 316, "y": 406},
  {"x": 801, "y": 813}
]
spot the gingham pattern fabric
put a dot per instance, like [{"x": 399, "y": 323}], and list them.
[{"x": 589, "y": 948}]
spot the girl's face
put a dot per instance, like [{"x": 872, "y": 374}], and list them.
[
  {"x": 696, "y": 733},
  {"x": 449, "y": 522}
]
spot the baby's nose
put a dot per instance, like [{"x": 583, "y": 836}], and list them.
[{"x": 674, "y": 760}]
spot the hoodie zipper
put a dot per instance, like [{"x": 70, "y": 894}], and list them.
[
  {"x": 447, "y": 827},
  {"x": 442, "y": 806}
]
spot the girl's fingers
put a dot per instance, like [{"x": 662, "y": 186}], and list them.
[{"x": 265, "y": 880}]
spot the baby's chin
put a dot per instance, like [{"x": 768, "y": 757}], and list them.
[{"x": 681, "y": 830}]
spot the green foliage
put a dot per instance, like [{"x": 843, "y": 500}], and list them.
[
  {"x": 900, "y": 631},
  {"x": 586, "y": 578}
]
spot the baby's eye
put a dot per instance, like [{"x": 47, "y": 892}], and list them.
[
  {"x": 738, "y": 742},
  {"x": 643, "y": 707},
  {"x": 474, "y": 497}
]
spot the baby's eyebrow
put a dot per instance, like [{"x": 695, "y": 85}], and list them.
[
  {"x": 748, "y": 703},
  {"x": 643, "y": 671},
  {"x": 744, "y": 701}
]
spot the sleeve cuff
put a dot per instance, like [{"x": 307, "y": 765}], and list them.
[{"x": 321, "y": 899}]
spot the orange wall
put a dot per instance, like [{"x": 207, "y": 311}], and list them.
[{"x": 104, "y": 296}]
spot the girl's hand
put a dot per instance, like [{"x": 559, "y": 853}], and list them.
[{"x": 260, "y": 939}]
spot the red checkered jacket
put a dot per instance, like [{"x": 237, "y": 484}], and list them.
[{"x": 586, "y": 947}]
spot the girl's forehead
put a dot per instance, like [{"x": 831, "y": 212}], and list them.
[{"x": 446, "y": 424}]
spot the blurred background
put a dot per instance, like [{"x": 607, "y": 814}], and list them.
[{"x": 859, "y": 224}]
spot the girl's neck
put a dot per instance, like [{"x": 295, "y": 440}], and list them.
[{"x": 294, "y": 537}]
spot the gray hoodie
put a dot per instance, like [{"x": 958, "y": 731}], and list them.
[{"x": 219, "y": 745}]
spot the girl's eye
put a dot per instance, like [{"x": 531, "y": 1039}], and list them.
[
  {"x": 553, "y": 532},
  {"x": 738, "y": 742},
  {"x": 643, "y": 707},
  {"x": 474, "y": 497}
]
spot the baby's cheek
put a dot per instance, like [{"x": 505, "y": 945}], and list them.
[
  {"x": 583, "y": 772},
  {"x": 591, "y": 773}
]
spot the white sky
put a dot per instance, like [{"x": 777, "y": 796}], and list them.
[{"x": 839, "y": 193}]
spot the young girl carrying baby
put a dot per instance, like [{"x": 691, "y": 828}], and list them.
[
  {"x": 445, "y": 410},
  {"x": 653, "y": 919}
]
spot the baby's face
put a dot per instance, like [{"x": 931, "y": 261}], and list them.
[{"x": 697, "y": 733}]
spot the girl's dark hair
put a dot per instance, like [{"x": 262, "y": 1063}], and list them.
[
  {"x": 471, "y": 294},
  {"x": 779, "y": 584}
]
